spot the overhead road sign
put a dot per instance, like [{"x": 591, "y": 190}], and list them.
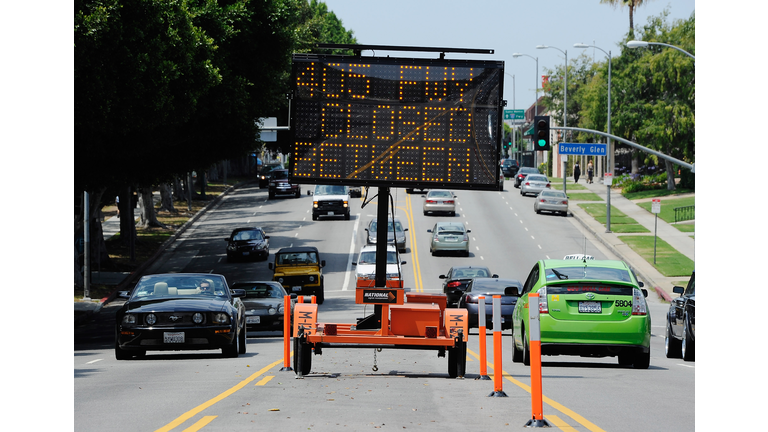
[
  {"x": 583, "y": 149},
  {"x": 516, "y": 114}
]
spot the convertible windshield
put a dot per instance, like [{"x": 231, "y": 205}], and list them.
[
  {"x": 590, "y": 273},
  {"x": 164, "y": 286},
  {"x": 296, "y": 258}
]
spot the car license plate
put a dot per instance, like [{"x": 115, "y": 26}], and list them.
[
  {"x": 253, "y": 320},
  {"x": 590, "y": 307},
  {"x": 173, "y": 337},
  {"x": 246, "y": 253},
  {"x": 330, "y": 213},
  {"x": 452, "y": 239},
  {"x": 296, "y": 288}
]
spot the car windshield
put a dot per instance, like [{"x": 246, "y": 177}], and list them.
[
  {"x": 280, "y": 175},
  {"x": 439, "y": 194},
  {"x": 248, "y": 235},
  {"x": 587, "y": 272},
  {"x": 169, "y": 286},
  {"x": 369, "y": 257},
  {"x": 296, "y": 258},
  {"x": 398, "y": 226},
  {"x": 330, "y": 190},
  {"x": 260, "y": 290}
]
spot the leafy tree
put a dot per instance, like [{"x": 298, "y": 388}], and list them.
[{"x": 580, "y": 73}]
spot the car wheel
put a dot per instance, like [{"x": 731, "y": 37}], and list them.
[
  {"x": 320, "y": 295},
  {"x": 346, "y": 216},
  {"x": 304, "y": 352},
  {"x": 233, "y": 350},
  {"x": 517, "y": 355},
  {"x": 243, "y": 340},
  {"x": 526, "y": 350},
  {"x": 642, "y": 360},
  {"x": 687, "y": 345},
  {"x": 314, "y": 216},
  {"x": 453, "y": 213},
  {"x": 271, "y": 195},
  {"x": 121, "y": 354},
  {"x": 538, "y": 211},
  {"x": 453, "y": 365},
  {"x": 298, "y": 193},
  {"x": 672, "y": 346},
  {"x": 626, "y": 359}
]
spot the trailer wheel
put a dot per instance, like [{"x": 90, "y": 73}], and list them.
[
  {"x": 302, "y": 356},
  {"x": 453, "y": 364}
]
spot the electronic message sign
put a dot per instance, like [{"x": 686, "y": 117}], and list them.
[{"x": 399, "y": 122}]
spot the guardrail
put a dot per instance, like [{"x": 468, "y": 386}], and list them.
[{"x": 685, "y": 213}]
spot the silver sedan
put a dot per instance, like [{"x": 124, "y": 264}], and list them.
[
  {"x": 438, "y": 200},
  {"x": 552, "y": 201},
  {"x": 533, "y": 184}
]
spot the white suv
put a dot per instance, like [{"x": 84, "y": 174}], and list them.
[
  {"x": 366, "y": 267},
  {"x": 330, "y": 200}
]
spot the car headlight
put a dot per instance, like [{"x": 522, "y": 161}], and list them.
[
  {"x": 281, "y": 309},
  {"x": 314, "y": 204},
  {"x": 197, "y": 318},
  {"x": 272, "y": 311},
  {"x": 280, "y": 280},
  {"x": 311, "y": 278},
  {"x": 220, "y": 318},
  {"x": 129, "y": 319},
  {"x": 151, "y": 319},
  {"x": 346, "y": 204}
]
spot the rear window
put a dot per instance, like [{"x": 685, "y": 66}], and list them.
[
  {"x": 584, "y": 288},
  {"x": 591, "y": 273},
  {"x": 540, "y": 178}
]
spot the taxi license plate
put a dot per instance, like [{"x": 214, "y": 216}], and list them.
[
  {"x": 590, "y": 307},
  {"x": 253, "y": 320},
  {"x": 296, "y": 288},
  {"x": 173, "y": 337}
]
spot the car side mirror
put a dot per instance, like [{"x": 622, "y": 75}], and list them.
[
  {"x": 322, "y": 263},
  {"x": 266, "y": 237},
  {"x": 469, "y": 231},
  {"x": 640, "y": 284},
  {"x": 429, "y": 230},
  {"x": 365, "y": 229},
  {"x": 294, "y": 296},
  {"x": 124, "y": 294},
  {"x": 226, "y": 239},
  {"x": 511, "y": 291},
  {"x": 354, "y": 263},
  {"x": 405, "y": 229},
  {"x": 403, "y": 263},
  {"x": 442, "y": 276},
  {"x": 495, "y": 276},
  {"x": 309, "y": 192},
  {"x": 238, "y": 293},
  {"x": 678, "y": 290},
  {"x": 270, "y": 266},
  {"x": 645, "y": 292}
]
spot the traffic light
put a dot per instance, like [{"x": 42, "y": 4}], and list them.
[{"x": 541, "y": 133}]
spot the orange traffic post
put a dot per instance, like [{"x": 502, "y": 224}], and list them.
[
  {"x": 286, "y": 334},
  {"x": 300, "y": 299},
  {"x": 534, "y": 334},
  {"x": 314, "y": 300},
  {"x": 497, "y": 370},
  {"x": 481, "y": 328}
]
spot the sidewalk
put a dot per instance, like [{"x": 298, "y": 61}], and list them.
[{"x": 681, "y": 241}]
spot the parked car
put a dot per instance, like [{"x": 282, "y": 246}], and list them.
[
  {"x": 300, "y": 271},
  {"x": 490, "y": 287},
  {"x": 264, "y": 304},
  {"x": 395, "y": 234},
  {"x": 589, "y": 308},
  {"x": 456, "y": 280},
  {"x": 449, "y": 237},
  {"x": 279, "y": 184},
  {"x": 551, "y": 201},
  {"x": 180, "y": 311},
  {"x": 264, "y": 174},
  {"x": 522, "y": 173},
  {"x": 533, "y": 184},
  {"x": 439, "y": 201},
  {"x": 330, "y": 200},
  {"x": 509, "y": 167},
  {"x": 247, "y": 243},
  {"x": 680, "y": 337},
  {"x": 410, "y": 190},
  {"x": 365, "y": 267}
]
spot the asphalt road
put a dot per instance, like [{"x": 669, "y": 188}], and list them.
[{"x": 410, "y": 389}]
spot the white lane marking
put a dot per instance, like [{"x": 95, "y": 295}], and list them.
[
  {"x": 685, "y": 365},
  {"x": 481, "y": 257},
  {"x": 351, "y": 253},
  {"x": 94, "y": 361}
]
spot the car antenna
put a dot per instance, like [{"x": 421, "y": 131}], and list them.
[{"x": 584, "y": 253}]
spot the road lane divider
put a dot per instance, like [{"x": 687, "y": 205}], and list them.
[
  {"x": 418, "y": 286},
  {"x": 205, "y": 405}
]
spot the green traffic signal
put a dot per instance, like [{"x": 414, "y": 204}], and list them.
[{"x": 541, "y": 132}]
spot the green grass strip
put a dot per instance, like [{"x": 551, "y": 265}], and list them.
[{"x": 669, "y": 261}]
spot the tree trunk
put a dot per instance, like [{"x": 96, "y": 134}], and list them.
[
  {"x": 201, "y": 181},
  {"x": 166, "y": 198},
  {"x": 148, "y": 218},
  {"x": 670, "y": 175},
  {"x": 213, "y": 172},
  {"x": 127, "y": 221},
  {"x": 178, "y": 190}
]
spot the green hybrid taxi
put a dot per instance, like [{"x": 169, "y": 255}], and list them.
[{"x": 587, "y": 308}]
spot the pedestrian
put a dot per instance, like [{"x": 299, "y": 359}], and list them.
[
  {"x": 117, "y": 204},
  {"x": 590, "y": 171},
  {"x": 576, "y": 172}
]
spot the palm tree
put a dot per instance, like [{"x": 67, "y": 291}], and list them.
[{"x": 632, "y": 4}]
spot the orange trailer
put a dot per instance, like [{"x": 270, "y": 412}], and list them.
[{"x": 404, "y": 321}]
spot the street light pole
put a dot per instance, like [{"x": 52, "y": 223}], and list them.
[
  {"x": 536, "y": 102},
  {"x": 565, "y": 102},
  {"x": 644, "y": 44},
  {"x": 610, "y": 143}
]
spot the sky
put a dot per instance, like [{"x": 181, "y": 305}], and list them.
[{"x": 507, "y": 27}]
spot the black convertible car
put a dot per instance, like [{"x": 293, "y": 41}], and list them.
[{"x": 180, "y": 311}]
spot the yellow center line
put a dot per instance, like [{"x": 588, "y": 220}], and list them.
[
  {"x": 414, "y": 249},
  {"x": 198, "y": 409},
  {"x": 200, "y": 424},
  {"x": 570, "y": 413}
]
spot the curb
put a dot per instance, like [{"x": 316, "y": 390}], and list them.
[
  {"x": 131, "y": 279},
  {"x": 659, "y": 291}
]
